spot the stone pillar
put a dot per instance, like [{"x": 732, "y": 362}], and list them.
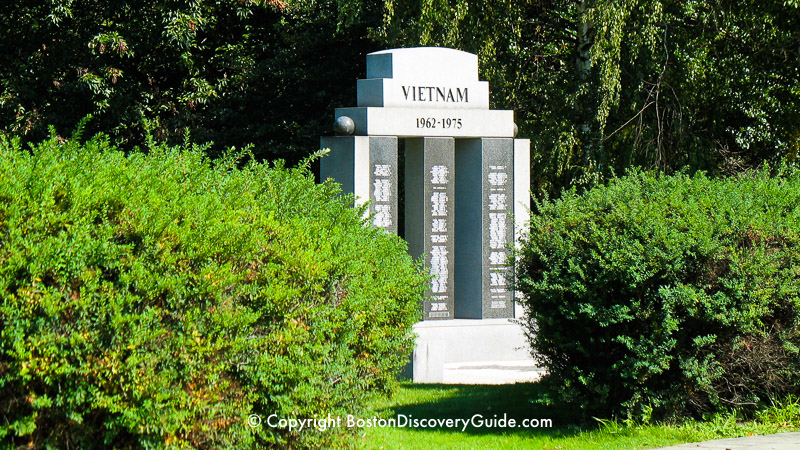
[
  {"x": 522, "y": 197},
  {"x": 365, "y": 166},
  {"x": 484, "y": 227},
  {"x": 429, "y": 214}
]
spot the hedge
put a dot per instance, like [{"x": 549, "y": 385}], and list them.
[
  {"x": 158, "y": 299},
  {"x": 667, "y": 295}
]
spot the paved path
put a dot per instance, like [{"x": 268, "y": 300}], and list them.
[{"x": 780, "y": 441}]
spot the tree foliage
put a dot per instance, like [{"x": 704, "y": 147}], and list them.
[
  {"x": 607, "y": 84},
  {"x": 230, "y": 71},
  {"x": 599, "y": 85}
]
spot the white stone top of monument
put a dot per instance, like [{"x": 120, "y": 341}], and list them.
[
  {"x": 424, "y": 64},
  {"x": 424, "y": 91},
  {"x": 423, "y": 77}
]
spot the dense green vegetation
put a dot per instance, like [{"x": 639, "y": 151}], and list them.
[
  {"x": 234, "y": 72},
  {"x": 668, "y": 295},
  {"x": 158, "y": 300},
  {"x": 602, "y": 85},
  {"x": 599, "y": 85}
]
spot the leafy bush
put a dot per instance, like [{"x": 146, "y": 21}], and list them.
[
  {"x": 158, "y": 300},
  {"x": 667, "y": 295}
]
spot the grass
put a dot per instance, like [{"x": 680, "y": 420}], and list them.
[{"x": 435, "y": 401}]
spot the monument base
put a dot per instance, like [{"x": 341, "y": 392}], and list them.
[{"x": 465, "y": 343}]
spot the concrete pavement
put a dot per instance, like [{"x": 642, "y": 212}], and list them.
[{"x": 780, "y": 441}]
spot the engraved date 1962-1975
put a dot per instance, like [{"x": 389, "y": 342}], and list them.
[{"x": 442, "y": 122}]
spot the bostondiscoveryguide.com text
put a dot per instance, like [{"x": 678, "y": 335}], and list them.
[{"x": 398, "y": 421}]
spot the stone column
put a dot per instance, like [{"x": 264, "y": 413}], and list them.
[
  {"x": 429, "y": 214},
  {"x": 484, "y": 227},
  {"x": 365, "y": 166},
  {"x": 522, "y": 198}
]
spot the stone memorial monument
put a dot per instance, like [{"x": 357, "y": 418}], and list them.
[{"x": 466, "y": 188}]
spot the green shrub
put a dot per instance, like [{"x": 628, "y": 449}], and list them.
[
  {"x": 667, "y": 295},
  {"x": 158, "y": 300}
]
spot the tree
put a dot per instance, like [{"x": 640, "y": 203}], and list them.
[
  {"x": 598, "y": 85},
  {"x": 232, "y": 71},
  {"x": 602, "y": 85}
]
